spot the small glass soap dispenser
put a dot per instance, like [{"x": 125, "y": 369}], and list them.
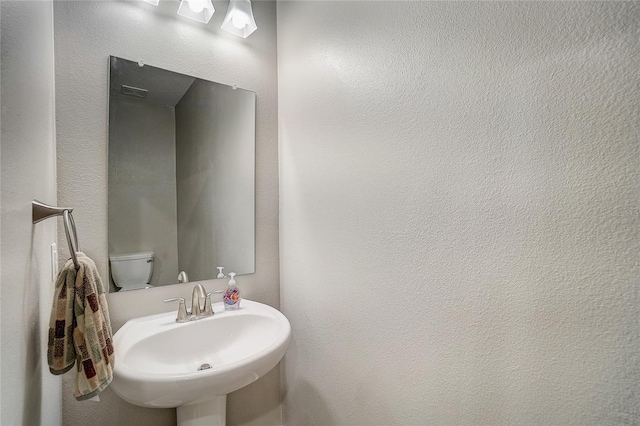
[{"x": 231, "y": 295}]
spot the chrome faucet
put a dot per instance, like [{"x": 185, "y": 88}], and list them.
[
  {"x": 197, "y": 311},
  {"x": 183, "y": 277},
  {"x": 197, "y": 294}
]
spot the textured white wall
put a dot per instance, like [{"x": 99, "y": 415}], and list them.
[
  {"x": 215, "y": 157},
  {"x": 30, "y": 395},
  {"x": 86, "y": 33},
  {"x": 459, "y": 212},
  {"x": 142, "y": 184}
]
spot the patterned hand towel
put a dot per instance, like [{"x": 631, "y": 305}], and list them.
[{"x": 80, "y": 329}]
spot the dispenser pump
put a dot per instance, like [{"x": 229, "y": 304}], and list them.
[{"x": 231, "y": 297}]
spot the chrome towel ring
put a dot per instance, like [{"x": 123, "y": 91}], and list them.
[{"x": 42, "y": 211}]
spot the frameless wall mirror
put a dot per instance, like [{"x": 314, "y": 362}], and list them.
[{"x": 181, "y": 177}]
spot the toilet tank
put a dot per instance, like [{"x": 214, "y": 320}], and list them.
[{"x": 131, "y": 268}]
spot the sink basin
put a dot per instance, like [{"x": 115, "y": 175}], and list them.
[{"x": 161, "y": 363}]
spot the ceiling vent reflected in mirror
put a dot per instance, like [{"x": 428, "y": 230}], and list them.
[{"x": 133, "y": 91}]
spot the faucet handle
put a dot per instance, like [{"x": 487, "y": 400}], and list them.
[
  {"x": 182, "y": 309},
  {"x": 208, "y": 309}
]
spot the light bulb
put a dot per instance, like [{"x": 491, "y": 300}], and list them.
[
  {"x": 196, "y": 5},
  {"x": 198, "y": 10},
  {"x": 239, "y": 20}
]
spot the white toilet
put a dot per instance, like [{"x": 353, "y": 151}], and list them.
[{"x": 132, "y": 271}]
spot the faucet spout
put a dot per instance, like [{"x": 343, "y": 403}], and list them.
[{"x": 197, "y": 294}]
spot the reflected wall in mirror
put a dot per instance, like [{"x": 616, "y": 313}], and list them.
[{"x": 181, "y": 177}]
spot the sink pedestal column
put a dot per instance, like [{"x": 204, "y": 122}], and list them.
[{"x": 208, "y": 413}]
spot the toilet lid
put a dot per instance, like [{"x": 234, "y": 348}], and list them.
[
  {"x": 131, "y": 256},
  {"x": 128, "y": 287}
]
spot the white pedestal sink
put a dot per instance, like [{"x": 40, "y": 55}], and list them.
[{"x": 194, "y": 365}]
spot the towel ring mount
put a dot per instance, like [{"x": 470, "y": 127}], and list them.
[{"x": 42, "y": 211}]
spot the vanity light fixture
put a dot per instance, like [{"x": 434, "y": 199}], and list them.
[
  {"x": 239, "y": 19},
  {"x": 198, "y": 10}
]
